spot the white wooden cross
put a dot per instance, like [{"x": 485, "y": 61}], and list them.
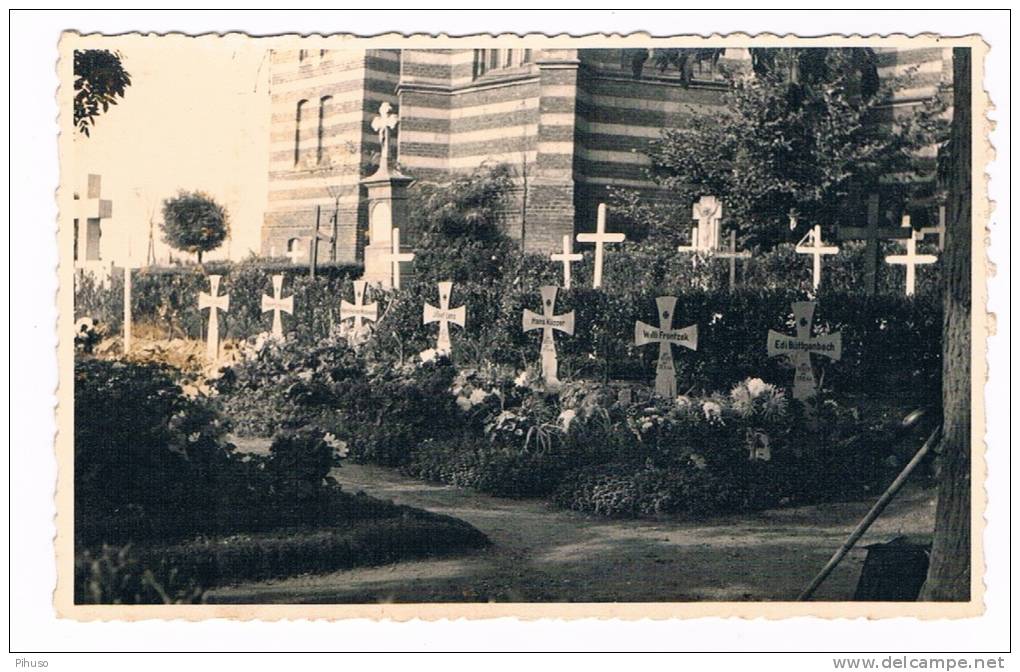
[
  {"x": 395, "y": 257},
  {"x": 733, "y": 255},
  {"x": 359, "y": 310},
  {"x": 812, "y": 244},
  {"x": 800, "y": 347},
  {"x": 90, "y": 209},
  {"x": 666, "y": 336},
  {"x": 547, "y": 322},
  {"x": 277, "y": 304},
  {"x": 444, "y": 315},
  {"x": 600, "y": 238},
  {"x": 940, "y": 229},
  {"x": 708, "y": 211},
  {"x": 213, "y": 303},
  {"x": 383, "y": 124},
  {"x": 567, "y": 257},
  {"x": 911, "y": 259}
]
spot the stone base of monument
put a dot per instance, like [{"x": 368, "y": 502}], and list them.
[
  {"x": 378, "y": 267},
  {"x": 894, "y": 571}
]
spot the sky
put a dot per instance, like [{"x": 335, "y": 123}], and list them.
[{"x": 196, "y": 116}]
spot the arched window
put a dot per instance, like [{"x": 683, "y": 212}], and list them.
[
  {"x": 324, "y": 104},
  {"x": 298, "y": 118}
]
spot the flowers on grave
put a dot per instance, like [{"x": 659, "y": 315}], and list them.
[
  {"x": 754, "y": 396},
  {"x": 712, "y": 411},
  {"x": 87, "y": 333},
  {"x": 427, "y": 356}
]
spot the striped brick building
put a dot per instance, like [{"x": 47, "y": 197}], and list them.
[{"x": 570, "y": 123}]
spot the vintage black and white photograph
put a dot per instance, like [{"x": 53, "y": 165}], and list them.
[{"x": 449, "y": 324}]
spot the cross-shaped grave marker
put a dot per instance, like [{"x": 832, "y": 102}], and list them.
[
  {"x": 383, "y": 124},
  {"x": 911, "y": 259},
  {"x": 567, "y": 257},
  {"x": 89, "y": 211},
  {"x": 733, "y": 255},
  {"x": 812, "y": 244},
  {"x": 799, "y": 348},
  {"x": 444, "y": 315},
  {"x": 600, "y": 238},
  {"x": 872, "y": 234},
  {"x": 296, "y": 253},
  {"x": 213, "y": 302},
  {"x": 277, "y": 304},
  {"x": 547, "y": 322},
  {"x": 395, "y": 257},
  {"x": 939, "y": 229},
  {"x": 359, "y": 310},
  {"x": 666, "y": 336}
]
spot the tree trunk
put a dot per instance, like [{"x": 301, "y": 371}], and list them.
[{"x": 949, "y": 571}]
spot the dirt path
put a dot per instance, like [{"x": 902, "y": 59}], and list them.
[{"x": 542, "y": 553}]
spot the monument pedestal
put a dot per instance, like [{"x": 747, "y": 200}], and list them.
[{"x": 387, "y": 209}]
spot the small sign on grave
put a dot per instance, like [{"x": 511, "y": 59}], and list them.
[
  {"x": 666, "y": 336},
  {"x": 799, "y": 348},
  {"x": 548, "y": 321},
  {"x": 277, "y": 304},
  {"x": 444, "y": 315},
  {"x": 600, "y": 238},
  {"x": 359, "y": 310},
  {"x": 214, "y": 302}
]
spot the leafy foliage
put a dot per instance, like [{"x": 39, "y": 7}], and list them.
[
  {"x": 99, "y": 79},
  {"x": 194, "y": 222}
]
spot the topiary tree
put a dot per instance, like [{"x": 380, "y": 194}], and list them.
[
  {"x": 194, "y": 222},
  {"x": 800, "y": 133},
  {"x": 99, "y": 78}
]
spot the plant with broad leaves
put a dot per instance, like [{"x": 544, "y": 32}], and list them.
[{"x": 99, "y": 79}]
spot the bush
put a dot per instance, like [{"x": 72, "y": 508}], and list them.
[{"x": 116, "y": 576}]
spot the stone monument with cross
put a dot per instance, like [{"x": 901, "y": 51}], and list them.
[
  {"x": 277, "y": 304},
  {"x": 812, "y": 244},
  {"x": 445, "y": 316},
  {"x": 799, "y": 348},
  {"x": 386, "y": 192},
  {"x": 90, "y": 211},
  {"x": 548, "y": 321},
  {"x": 359, "y": 310},
  {"x": 911, "y": 260},
  {"x": 214, "y": 302},
  {"x": 666, "y": 336},
  {"x": 600, "y": 238},
  {"x": 872, "y": 234},
  {"x": 566, "y": 257},
  {"x": 708, "y": 212}
]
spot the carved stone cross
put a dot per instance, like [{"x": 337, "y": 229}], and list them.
[
  {"x": 872, "y": 234},
  {"x": 277, "y": 304},
  {"x": 666, "y": 337},
  {"x": 383, "y": 124},
  {"x": 395, "y": 257},
  {"x": 444, "y": 315},
  {"x": 911, "y": 259},
  {"x": 708, "y": 211},
  {"x": 733, "y": 255},
  {"x": 359, "y": 310},
  {"x": 567, "y": 257},
  {"x": 547, "y": 322},
  {"x": 214, "y": 303},
  {"x": 600, "y": 238},
  {"x": 811, "y": 243},
  {"x": 799, "y": 349}
]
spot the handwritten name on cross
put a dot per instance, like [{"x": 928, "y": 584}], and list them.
[
  {"x": 800, "y": 347},
  {"x": 277, "y": 304},
  {"x": 939, "y": 230},
  {"x": 359, "y": 310},
  {"x": 812, "y": 244},
  {"x": 666, "y": 337},
  {"x": 383, "y": 124},
  {"x": 872, "y": 234},
  {"x": 444, "y": 315},
  {"x": 600, "y": 238},
  {"x": 547, "y": 322},
  {"x": 214, "y": 303},
  {"x": 911, "y": 259},
  {"x": 733, "y": 255},
  {"x": 395, "y": 257},
  {"x": 567, "y": 257}
]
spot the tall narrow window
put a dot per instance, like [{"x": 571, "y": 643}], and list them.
[
  {"x": 493, "y": 59},
  {"x": 324, "y": 104},
  {"x": 297, "y": 129},
  {"x": 526, "y": 58},
  {"x": 302, "y": 54},
  {"x": 508, "y": 58}
]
